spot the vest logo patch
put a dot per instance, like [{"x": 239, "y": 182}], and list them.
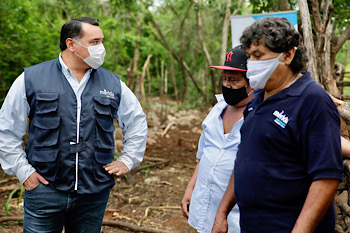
[
  {"x": 281, "y": 118},
  {"x": 107, "y": 93}
]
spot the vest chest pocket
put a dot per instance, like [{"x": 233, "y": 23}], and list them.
[
  {"x": 46, "y": 103},
  {"x": 47, "y": 131},
  {"x": 104, "y": 112}
]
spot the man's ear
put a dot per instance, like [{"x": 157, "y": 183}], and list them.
[
  {"x": 70, "y": 44},
  {"x": 288, "y": 56}
]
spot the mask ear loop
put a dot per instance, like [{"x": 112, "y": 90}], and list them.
[
  {"x": 278, "y": 58},
  {"x": 250, "y": 92},
  {"x": 81, "y": 46}
]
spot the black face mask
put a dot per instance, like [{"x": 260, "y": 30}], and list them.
[{"x": 234, "y": 96}]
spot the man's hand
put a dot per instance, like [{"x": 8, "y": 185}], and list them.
[
  {"x": 33, "y": 180},
  {"x": 116, "y": 167},
  {"x": 220, "y": 224},
  {"x": 186, "y": 200}
]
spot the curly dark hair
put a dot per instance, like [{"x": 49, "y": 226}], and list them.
[{"x": 279, "y": 36}]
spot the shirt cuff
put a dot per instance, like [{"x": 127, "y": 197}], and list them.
[
  {"x": 127, "y": 161},
  {"x": 24, "y": 172}
]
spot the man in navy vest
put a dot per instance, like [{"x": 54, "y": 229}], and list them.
[{"x": 68, "y": 169}]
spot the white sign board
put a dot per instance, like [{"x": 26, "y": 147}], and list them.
[{"x": 239, "y": 23}]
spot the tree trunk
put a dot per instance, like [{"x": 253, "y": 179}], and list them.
[
  {"x": 346, "y": 57},
  {"x": 323, "y": 31},
  {"x": 133, "y": 63},
  {"x": 161, "y": 78},
  {"x": 149, "y": 82},
  {"x": 224, "y": 38},
  {"x": 182, "y": 49},
  {"x": 142, "y": 81},
  {"x": 205, "y": 50},
  {"x": 163, "y": 41},
  {"x": 308, "y": 40},
  {"x": 174, "y": 77},
  {"x": 225, "y": 30}
]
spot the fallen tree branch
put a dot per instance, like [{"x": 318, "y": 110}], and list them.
[
  {"x": 165, "y": 131},
  {"x": 7, "y": 180},
  {"x": 343, "y": 108},
  {"x": 113, "y": 223},
  {"x": 153, "y": 159},
  {"x": 116, "y": 223},
  {"x": 156, "y": 208},
  {"x": 165, "y": 162},
  {"x": 10, "y": 187},
  {"x": 12, "y": 218}
]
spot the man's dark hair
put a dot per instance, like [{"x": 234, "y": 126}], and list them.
[
  {"x": 279, "y": 36},
  {"x": 72, "y": 29}
]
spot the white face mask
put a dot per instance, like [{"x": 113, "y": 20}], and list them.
[
  {"x": 97, "y": 55},
  {"x": 260, "y": 71}
]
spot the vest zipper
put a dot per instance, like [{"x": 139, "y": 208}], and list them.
[{"x": 77, "y": 154}]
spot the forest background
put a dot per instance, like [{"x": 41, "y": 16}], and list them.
[{"x": 158, "y": 48}]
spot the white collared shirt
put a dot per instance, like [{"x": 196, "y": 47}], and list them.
[
  {"x": 14, "y": 123},
  {"x": 217, "y": 154}
]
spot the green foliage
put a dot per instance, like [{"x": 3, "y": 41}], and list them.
[
  {"x": 31, "y": 30},
  {"x": 7, "y": 204},
  {"x": 343, "y": 56},
  {"x": 146, "y": 171},
  {"x": 341, "y": 13},
  {"x": 264, "y": 6}
]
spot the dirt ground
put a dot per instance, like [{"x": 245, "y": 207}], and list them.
[{"x": 149, "y": 197}]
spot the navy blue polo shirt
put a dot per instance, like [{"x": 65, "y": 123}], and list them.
[{"x": 287, "y": 141}]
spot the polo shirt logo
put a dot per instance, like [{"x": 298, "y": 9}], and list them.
[{"x": 281, "y": 118}]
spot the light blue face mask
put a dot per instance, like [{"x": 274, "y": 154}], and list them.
[{"x": 260, "y": 71}]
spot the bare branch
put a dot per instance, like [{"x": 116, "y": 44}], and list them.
[
  {"x": 340, "y": 40},
  {"x": 327, "y": 13},
  {"x": 172, "y": 9},
  {"x": 225, "y": 32},
  {"x": 205, "y": 50},
  {"x": 317, "y": 17},
  {"x": 182, "y": 62}
]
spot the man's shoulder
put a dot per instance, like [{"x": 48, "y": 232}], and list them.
[
  {"x": 314, "y": 93},
  {"x": 109, "y": 75},
  {"x": 43, "y": 64}
]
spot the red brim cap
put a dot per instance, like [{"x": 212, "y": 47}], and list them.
[{"x": 226, "y": 68}]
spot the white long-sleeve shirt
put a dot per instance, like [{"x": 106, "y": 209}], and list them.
[
  {"x": 217, "y": 154},
  {"x": 14, "y": 124}
]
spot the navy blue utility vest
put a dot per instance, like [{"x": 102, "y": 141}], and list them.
[{"x": 53, "y": 127}]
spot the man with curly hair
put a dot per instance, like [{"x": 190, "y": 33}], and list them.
[{"x": 289, "y": 161}]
